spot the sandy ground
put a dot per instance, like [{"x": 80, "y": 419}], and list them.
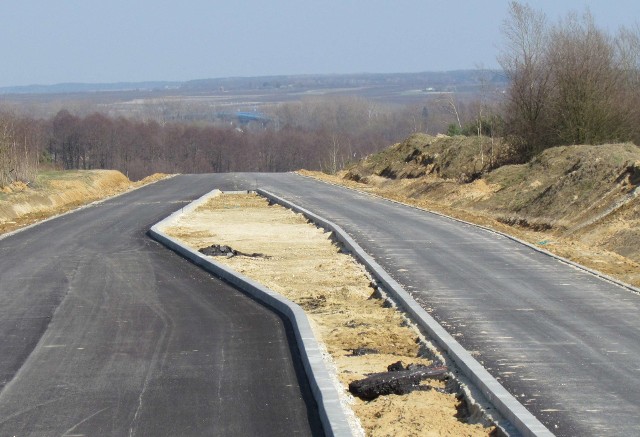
[
  {"x": 302, "y": 263},
  {"x": 593, "y": 256}
]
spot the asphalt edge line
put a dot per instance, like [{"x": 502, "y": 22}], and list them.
[
  {"x": 332, "y": 416},
  {"x": 504, "y": 402},
  {"x": 574, "y": 264}
]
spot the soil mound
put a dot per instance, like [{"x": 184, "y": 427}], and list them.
[
  {"x": 567, "y": 187},
  {"x": 458, "y": 158},
  {"x": 586, "y": 194}
]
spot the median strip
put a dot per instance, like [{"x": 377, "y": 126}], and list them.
[{"x": 360, "y": 331}]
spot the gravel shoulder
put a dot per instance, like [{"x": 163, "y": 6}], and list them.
[{"x": 302, "y": 263}]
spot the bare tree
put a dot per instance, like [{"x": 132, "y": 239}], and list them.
[
  {"x": 571, "y": 83},
  {"x": 627, "y": 44},
  {"x": 18, "y": 159},
  {"x": 7, "y": 145},
  {"x": 524, "y": 60},
  {"x": 453, "y": 108},
  {"x": 588, "y": 83}
]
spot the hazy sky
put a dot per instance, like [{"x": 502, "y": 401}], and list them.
[{"x": 54, "y": 41}]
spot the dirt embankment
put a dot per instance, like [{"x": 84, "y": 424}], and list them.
[
  {"x": 55, "y": 192},
  {"x": 580, "y": 202},
  {"x": 294, "y": 258}
]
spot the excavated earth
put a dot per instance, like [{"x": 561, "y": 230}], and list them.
[
  {"x": 580, "y": 202},
  {"x": 361, "y": 332},
  {"x": 55, "y": 192}
]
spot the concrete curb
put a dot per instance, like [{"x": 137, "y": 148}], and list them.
[
  {"x": 332, "y": 416},
  {"x": 510, "y": 237},
  {"x": 506, "y": 404}
]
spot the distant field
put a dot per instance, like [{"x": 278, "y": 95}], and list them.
[{"x": 248, "y": 93}]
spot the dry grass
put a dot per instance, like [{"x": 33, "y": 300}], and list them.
[{"x": 56, "y": 192}]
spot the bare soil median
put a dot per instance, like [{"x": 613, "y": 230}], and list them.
[{"x": 361, "y": 332}]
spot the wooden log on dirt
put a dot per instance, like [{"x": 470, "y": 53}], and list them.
[
  {"x": 399, "y": 380},
  {"x": 218, "y": 250},
  {"x": 227, "y": 251}
]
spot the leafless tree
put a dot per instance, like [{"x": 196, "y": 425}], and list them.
[
  {"x": 627, "y": 43},
  {"x": 570, "y": 83},
  {"x": 588, "y": 83},
  {"x": 18, "y": 158},
  {"x": 524, "y": 60}
]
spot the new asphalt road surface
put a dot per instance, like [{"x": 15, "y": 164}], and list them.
[
  {"x": 564, "y": 342},
  {"x": 105, "y": 332}
]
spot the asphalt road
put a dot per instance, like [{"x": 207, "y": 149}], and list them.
[
  {"x": 564, "y": 342},
  {"x": 105, "y": 332}
]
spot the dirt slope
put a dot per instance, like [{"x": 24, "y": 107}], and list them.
[
  {"x": 55, "y": 192},
  {"x": 578, "y": 201}
]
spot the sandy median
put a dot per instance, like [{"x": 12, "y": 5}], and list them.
[{"x": 303, "y": 264}]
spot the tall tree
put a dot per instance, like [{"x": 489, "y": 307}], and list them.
[
  {"x": 524, "y": 60},
  {"x": 66, "y": 139},
  {"x": 588, "y": 83}
]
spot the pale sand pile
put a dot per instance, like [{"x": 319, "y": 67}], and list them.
[{"x": 306, "y": 267}]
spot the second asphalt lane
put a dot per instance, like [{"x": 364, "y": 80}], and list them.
[{"x": 564, "y": 342}]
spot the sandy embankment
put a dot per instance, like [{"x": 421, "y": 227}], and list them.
[{"x": 56, "y": 192}]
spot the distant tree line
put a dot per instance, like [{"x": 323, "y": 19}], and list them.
[
  {"x": 318, "y": 134},
  {"x": 570, "y": 82}
]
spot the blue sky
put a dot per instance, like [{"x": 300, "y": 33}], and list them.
[{"x": 54, "y": 41}]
